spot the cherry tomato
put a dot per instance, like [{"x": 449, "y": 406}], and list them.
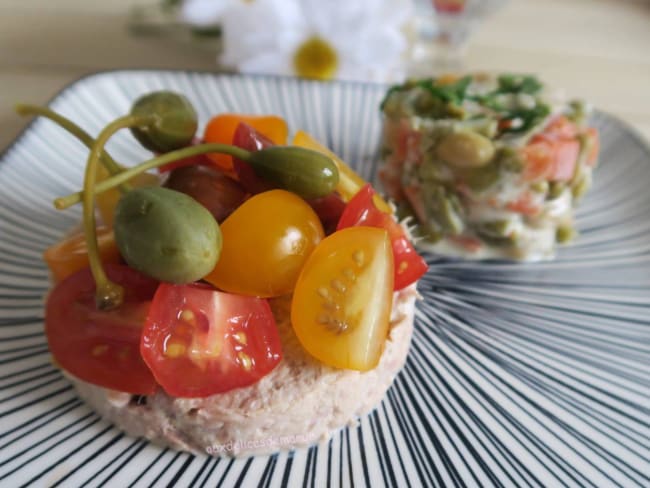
[
  {"x": 248, "y": 138},
  {"x": 349, "y": 181},
  {"x": 342, "y": 302},
  {"x": 199, "y": 159},
  {"x": 222, "y": 129},
  {"x": 209, "y": 186},
  {"x": 198, "y": 341},
  {"x": 361, "y": 210},
  {"x": 71, "y": 255},
  {"x": 266, "y": 241},
  {"x": 329, "y": 210},
  {"x": 101, "y": 347}
]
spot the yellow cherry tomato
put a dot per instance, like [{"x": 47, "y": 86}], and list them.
[
  {"x": 266, "y": 242},
  {"x": 342, "y": 302},
  {"x": 71, "y": 255},
  {"x": 349, "y": 181}
]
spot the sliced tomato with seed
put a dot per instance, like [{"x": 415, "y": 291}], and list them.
[
  {"x": 361, "y": 210},
  {"x": 101, "y": 347},
  {"x": 198, "y": 341},
  {"x": 342, "y": 302}
]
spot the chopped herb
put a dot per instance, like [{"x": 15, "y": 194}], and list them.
[{"x": 518, "y": 84}]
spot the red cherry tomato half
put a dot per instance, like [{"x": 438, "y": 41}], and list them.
[
  {"x": 248, "y": 138},
  {"x": 360, "y": 210},
  {"x": 198, "y": 341},
  {"x": 101, "y": 347}
]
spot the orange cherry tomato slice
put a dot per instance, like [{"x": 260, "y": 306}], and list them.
[
  {"x": 342, "y": 302},
  {"x": 199, "y": 342},
  {"x": 221, "y": 129},
  {"x": 266, "y": 241},
  {"x": 71, "y": 255}
]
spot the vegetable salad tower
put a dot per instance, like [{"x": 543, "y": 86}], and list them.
[{"x": 491, "y": 167}]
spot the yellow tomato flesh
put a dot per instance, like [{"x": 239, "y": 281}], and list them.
[
  {"x": 342, "y": 302},
  {"x": 349, "y": 181},
  {"x": 266, "y": 242}
]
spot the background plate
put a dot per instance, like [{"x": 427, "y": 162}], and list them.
[{"x": 518, "y": 374}]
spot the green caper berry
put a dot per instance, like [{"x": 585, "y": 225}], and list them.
[
  {"x": 174, "y": 121},
  {"x": 307, "y": 173},
  {"x": 166, "y": 234}
]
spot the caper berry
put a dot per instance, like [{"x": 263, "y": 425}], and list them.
[
  {"x": 174, "y": 121},
  {"x": 166, "y": 234},
  {"x": 307, "y": 173},
  {"x": 465, "y": 149}
]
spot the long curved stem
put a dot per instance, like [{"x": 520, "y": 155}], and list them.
[
  {"x": 69, "y": 200},
  {"x": 109, "y": 163},
  {"x": 108, "y": 294}
]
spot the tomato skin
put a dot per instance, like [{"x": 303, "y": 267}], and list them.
[
  {"x": 71, "y": 255},
  {"x": 266, "y": 241},
  {"x": 100, "y": 347},
  {"x": 199, "y": 342},
  {"x": 329, "y": 210},
  {"x": 361, "y": 210},
  {"x": 222, "y": 129},
  {"x": 341, "y": 306},
  {"x": 248, "y": 138}
]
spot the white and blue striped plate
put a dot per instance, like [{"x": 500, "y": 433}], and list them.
[{"x": 519, "y": 374}]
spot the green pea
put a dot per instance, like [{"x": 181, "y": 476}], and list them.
[
  {"x": 540, "y": 186},
  {"x": 443, "y": 208},
  {"x": 166, "y": 234},
  {"x": 307, "y": 173},
  {"x": 564, "y": 234},
  {"x": 174, "y": 121},
  {"x": 480, "y": 179},
  {"x": 580, "y": 187},
  {"x": 465, "y": 149},
  {"x": 555, "y": 189}
]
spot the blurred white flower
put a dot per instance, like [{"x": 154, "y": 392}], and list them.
[
  {"x": 344, "y": 39},
  {"x": 204, "y": 13}
]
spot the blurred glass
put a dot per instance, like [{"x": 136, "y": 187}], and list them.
[{"x": 443, "y": 28}]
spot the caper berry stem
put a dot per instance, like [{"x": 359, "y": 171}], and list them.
[
  {"x": 69, "y": 200},
  {"x": 109, "y": 163},
  {"x": 108, "y": 294}
]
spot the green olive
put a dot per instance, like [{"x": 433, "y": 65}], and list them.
[
  {"x": 465, "y": 149},
  {"x": 174, "y": 121},
  {"x": 166, "y": 234},
  {"x": 307, "y": 173}
]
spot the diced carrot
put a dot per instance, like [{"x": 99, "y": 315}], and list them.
[
  {"x": 470, "y": 244},
  {"x": 524, "y": 205}
]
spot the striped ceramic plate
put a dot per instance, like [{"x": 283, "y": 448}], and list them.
[{"x": 518, "y": 374}]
